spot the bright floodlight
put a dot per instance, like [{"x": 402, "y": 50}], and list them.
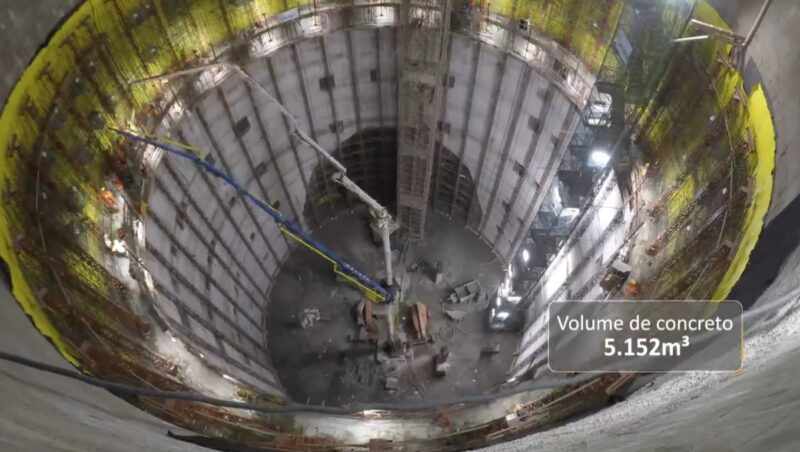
[
  {"x": 599, "y": 158},
  {"x": 526, "y": 256}
]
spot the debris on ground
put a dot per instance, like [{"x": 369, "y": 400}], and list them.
[
  {"x": 310, "y": 318},
  {"x": 391, "y": 384},
  {"x": 443, "y": 420},
  {"x": 431, "y": 270},
  {"x": 441, "y": 362},
  {"x": 466, "y": 293},
  {"x": 438, "y": 276},
  {"x": 435, "y": 272},
  {"x": 455, "y": 315},
  {"x": 491, "y": 349}
]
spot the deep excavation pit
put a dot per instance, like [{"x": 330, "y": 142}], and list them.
[{"x": 169, "y": 224}]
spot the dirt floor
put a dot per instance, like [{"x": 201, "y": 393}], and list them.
[{"x": 323, "y": 364}]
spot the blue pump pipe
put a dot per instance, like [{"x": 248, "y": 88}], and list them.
[{"x": 374, "y": 290}]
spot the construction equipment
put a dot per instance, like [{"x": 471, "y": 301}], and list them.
[
  {"x": 419, "y": 318},
  {"x": 372, "y": 289},
  {"x": 466, "y": 293},
  {"x": 382, "y": 220}
]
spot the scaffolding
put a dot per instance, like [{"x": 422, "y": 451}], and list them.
[{"x": 424, "y": 38}]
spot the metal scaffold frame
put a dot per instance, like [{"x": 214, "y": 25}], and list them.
[{"x": 422, "y": 66}]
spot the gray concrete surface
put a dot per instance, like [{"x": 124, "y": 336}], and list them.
[
  {"x": 27, "y": 25},
  {"x": 228, "y": 254},
  {"x": 321, "y": 364},
  {"x": 41, "y": 411}
]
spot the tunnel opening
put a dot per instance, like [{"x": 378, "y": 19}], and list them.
[{"x": 370, "y": 157}]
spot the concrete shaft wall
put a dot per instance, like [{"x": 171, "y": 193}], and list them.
[
  {"x": 575, "y": 272},
  {"x": 750, "y": 413},
  {"x": 43, "y": 412},
  {"x": 214, "y": 257}
]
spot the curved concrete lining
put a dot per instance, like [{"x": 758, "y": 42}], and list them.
[{"x": 748, "y": 412}]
